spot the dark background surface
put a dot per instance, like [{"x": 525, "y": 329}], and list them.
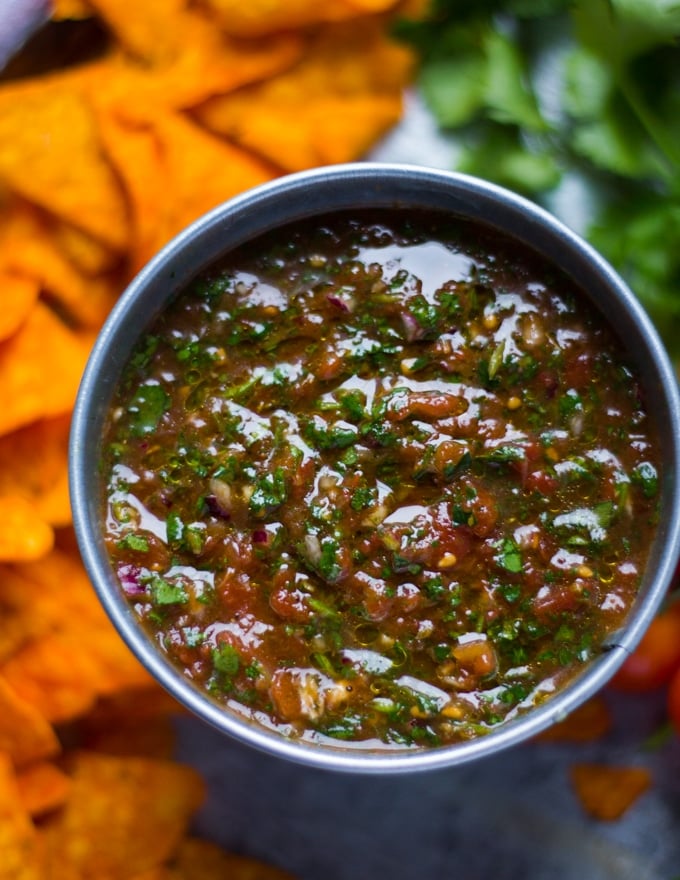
[{"x": 514, "y": 816}]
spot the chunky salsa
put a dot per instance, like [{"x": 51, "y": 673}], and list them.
[{"x": 382, "y": 478}]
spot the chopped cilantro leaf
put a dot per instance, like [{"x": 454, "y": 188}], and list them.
[{"x": 146, "y": 409}]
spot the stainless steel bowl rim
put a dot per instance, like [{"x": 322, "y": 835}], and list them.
[{"x": 307, "y": 194}]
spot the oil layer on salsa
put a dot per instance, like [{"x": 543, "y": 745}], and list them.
[{"x": 381, "y": 478}]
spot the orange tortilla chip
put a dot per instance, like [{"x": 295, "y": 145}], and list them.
[
  {"x": 23, "y": 535},
  {"x": 330, "y": 132},
  {"x": 40, "y": 369},
  {"x": 34, "y": 464},
  {"x": 43, "y": 787},
  {"x": 134, "y": 705},
  {"x": 87, "y": 254},
  {"x": 20, "y": 853},
  {"x": 18, "y": 295},
  {"x": 50, "y": 154},
  {"x": 161, "y": 873},
  {"x": 77, "y": 655},
  {"x": 373, "y": 6},
  {"x": 77, "y": 607},
  {"x": 588, "y": 722},
  {"x": 260, "y": 17},
  {"x": 135, "y": 152},
  {"x": 343, "y": 95},
  {"x": 54, "y": 675},
  {"x": 28, "y": 247},
  {"x": 59, "y": 649},
  {"x": 606, "y": 792},
  {"x": 21, "y": 620},
  {"x": 61, "y": 674},
  {"x": 116, "y": 667},
  {"x": 198, "y": 859},
  {"x": 123, "y": 816},
  {"x": 25, "y": 735},
  {"x": 203, "y": 69},
  {"x": 70, "y": 9},
  {"x": 204, "y": 169},
  {"x": 154, "y": 30}
]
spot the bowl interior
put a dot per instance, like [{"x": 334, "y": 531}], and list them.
[{"x": 305, "y": 195}]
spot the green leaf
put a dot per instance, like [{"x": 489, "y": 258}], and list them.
[
  {"x": 508, "y": 95},
  {"x": 509, "y": 556},
  {"x": 501, "y": 157},
  {"x": 174, "y": 528},
  {"x": 588, "y": 84},
  {"x": 329, "y": 565},
  {"x": 166, "y": 593},
  {"x": 605, "y": 512},
  {"x": 132, "y": 541},
  {"x": 619, "y": 30},
  {"x": 269, "y": 493},
  {"x": 616, "y": 142},
  {"x": 147, "y": 408},
  {"x": 226, "y": 659},
  {"x": 454, "y": 88},
  {"x": 645, "y": 475}
]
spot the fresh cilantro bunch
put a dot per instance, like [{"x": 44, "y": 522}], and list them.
[{"x": 543, "y": 94}]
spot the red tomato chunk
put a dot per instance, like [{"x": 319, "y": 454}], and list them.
[{"x": 383, "y": 478}]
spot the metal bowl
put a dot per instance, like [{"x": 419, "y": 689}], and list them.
[{"x": 357, "y": 186}]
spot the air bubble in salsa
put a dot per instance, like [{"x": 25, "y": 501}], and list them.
[{"x": 382, "y": 479}]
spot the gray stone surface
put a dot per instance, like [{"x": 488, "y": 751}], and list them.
[{"x": 510, "y": 817}]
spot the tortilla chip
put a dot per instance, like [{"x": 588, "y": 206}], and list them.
[
  {"x": 50, "y": 154},
  {"x": 54, "y": 676},
  {"x": 606, "y": 792},
  {"x": 34, "y": 464},
  {"x": 204, "y": 169},
  {"x": 198, "y": 859},
  {"x": 155, "y": 29},
  {"x": 18, "y": 295},
  {"x": 590, "y": 721},
  {"x": 59, "y": 649},
  {"x": 135, "y": 705},
  {"x": 260, "y": 17},
  {"x": 40, "y": 369},
  {"x": 373, "y": 6},
  {"x": 62, "y": 674},
  {"x": 28, "y": 247},
  {"x": 89, "y": 255},
  {"x": 23, "y": 535},
  {"x": 116, "y": 667},
  {"x": 161, "y": 873},
  {"x": 78, "y": 655},
  {"x": 136, "y": 92},
  {"x": 77, "y": 606},
  {"x": 344, "y": 94},
  {"x": 123, "y": 816},
  {"x": 25, "y": 735},
  {"x": 21, "y": 621},
  {"x": 43, "y": 787},
  {"x": 20, "y": 859},
  {"x": 70, "y": 9},
  {"x": 135, "y": 152}
]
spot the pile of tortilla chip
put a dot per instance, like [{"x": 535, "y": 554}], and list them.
[{"x": 143, "y": 117}]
